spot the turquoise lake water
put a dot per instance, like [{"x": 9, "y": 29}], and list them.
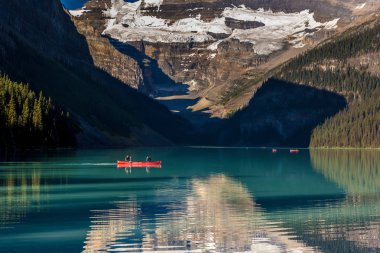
[
  {"x": 201, "y": 200},
  {"x": 73, "y": 4}
]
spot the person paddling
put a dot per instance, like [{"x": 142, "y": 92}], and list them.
[
  {"x": 128, "y": 158},
  {"x": 148, "y": 159}
]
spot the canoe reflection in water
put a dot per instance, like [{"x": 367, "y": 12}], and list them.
[
  {"x": 127, "y": 166},
  {"x": 128, "y": 170}
]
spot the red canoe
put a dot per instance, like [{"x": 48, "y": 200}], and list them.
[
  {"x": 294, "y": 151},
  {"x": 139, "y": 164}
]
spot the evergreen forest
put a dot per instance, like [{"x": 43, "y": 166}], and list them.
[
  {"x": 28, "y": 120},
  {"x": 330, "y": 66}
]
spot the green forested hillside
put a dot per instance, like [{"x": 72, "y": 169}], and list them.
[
  {"x": 354, "y": 42},
  {"x": 28, "y": 120},
  {"x": 356, "y": 126},
  {"x": 330, "y": 66}
]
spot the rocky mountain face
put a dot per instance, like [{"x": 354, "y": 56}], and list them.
[
  {"x": 213, "y": 54},
  {"x": 104, "y": 55},
  {"x": 40, "y": 45}
]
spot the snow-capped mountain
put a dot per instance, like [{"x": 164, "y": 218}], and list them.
[
  {"x": 264, "y": 29},
  {"x": 213, "y": 54}
]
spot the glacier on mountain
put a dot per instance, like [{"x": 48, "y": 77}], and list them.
[{"x": 128, "y": 22}]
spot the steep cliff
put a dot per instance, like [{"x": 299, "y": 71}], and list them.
[
  {"x": 104, "y": 55},
  {"x": 40, "y": 45}
]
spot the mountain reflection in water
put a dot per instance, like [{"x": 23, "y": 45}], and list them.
[{"x": 217, "y": 214}]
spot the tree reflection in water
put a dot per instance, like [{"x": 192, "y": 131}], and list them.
[
  {"x": 354, "y": 223},
  {"x": 357, "y": 171},
  {"x": 21, "y": 194}
]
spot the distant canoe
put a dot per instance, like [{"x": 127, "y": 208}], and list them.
[{"x": 294, "y": 151}]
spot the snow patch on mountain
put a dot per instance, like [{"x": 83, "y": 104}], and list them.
[
  {"x": 153, "y": 3},
  {"x": 78, "y": 13},
  {"x": 360, "y": 6},
  {"x": 128, "y": 23}
]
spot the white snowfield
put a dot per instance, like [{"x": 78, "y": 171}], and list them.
[
  {"x": 78, "y": 13},
  {"x": 127, "y": 22}
]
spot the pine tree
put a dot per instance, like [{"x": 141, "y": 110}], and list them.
[
  {"x": 12, "y": 114},
  {"x": 37, "y": 115}
]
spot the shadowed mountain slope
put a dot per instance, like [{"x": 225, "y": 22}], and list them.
[
  {"x": 40, "y": 45},
  {"x": 280, "y": 114}
]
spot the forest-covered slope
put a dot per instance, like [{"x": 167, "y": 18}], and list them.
[
  {"x": 349, "y": 66},
  {"x": 327, "y": 97},
  {"x": 40, "y": 45},
  {"x": 28, "y": 120}
]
